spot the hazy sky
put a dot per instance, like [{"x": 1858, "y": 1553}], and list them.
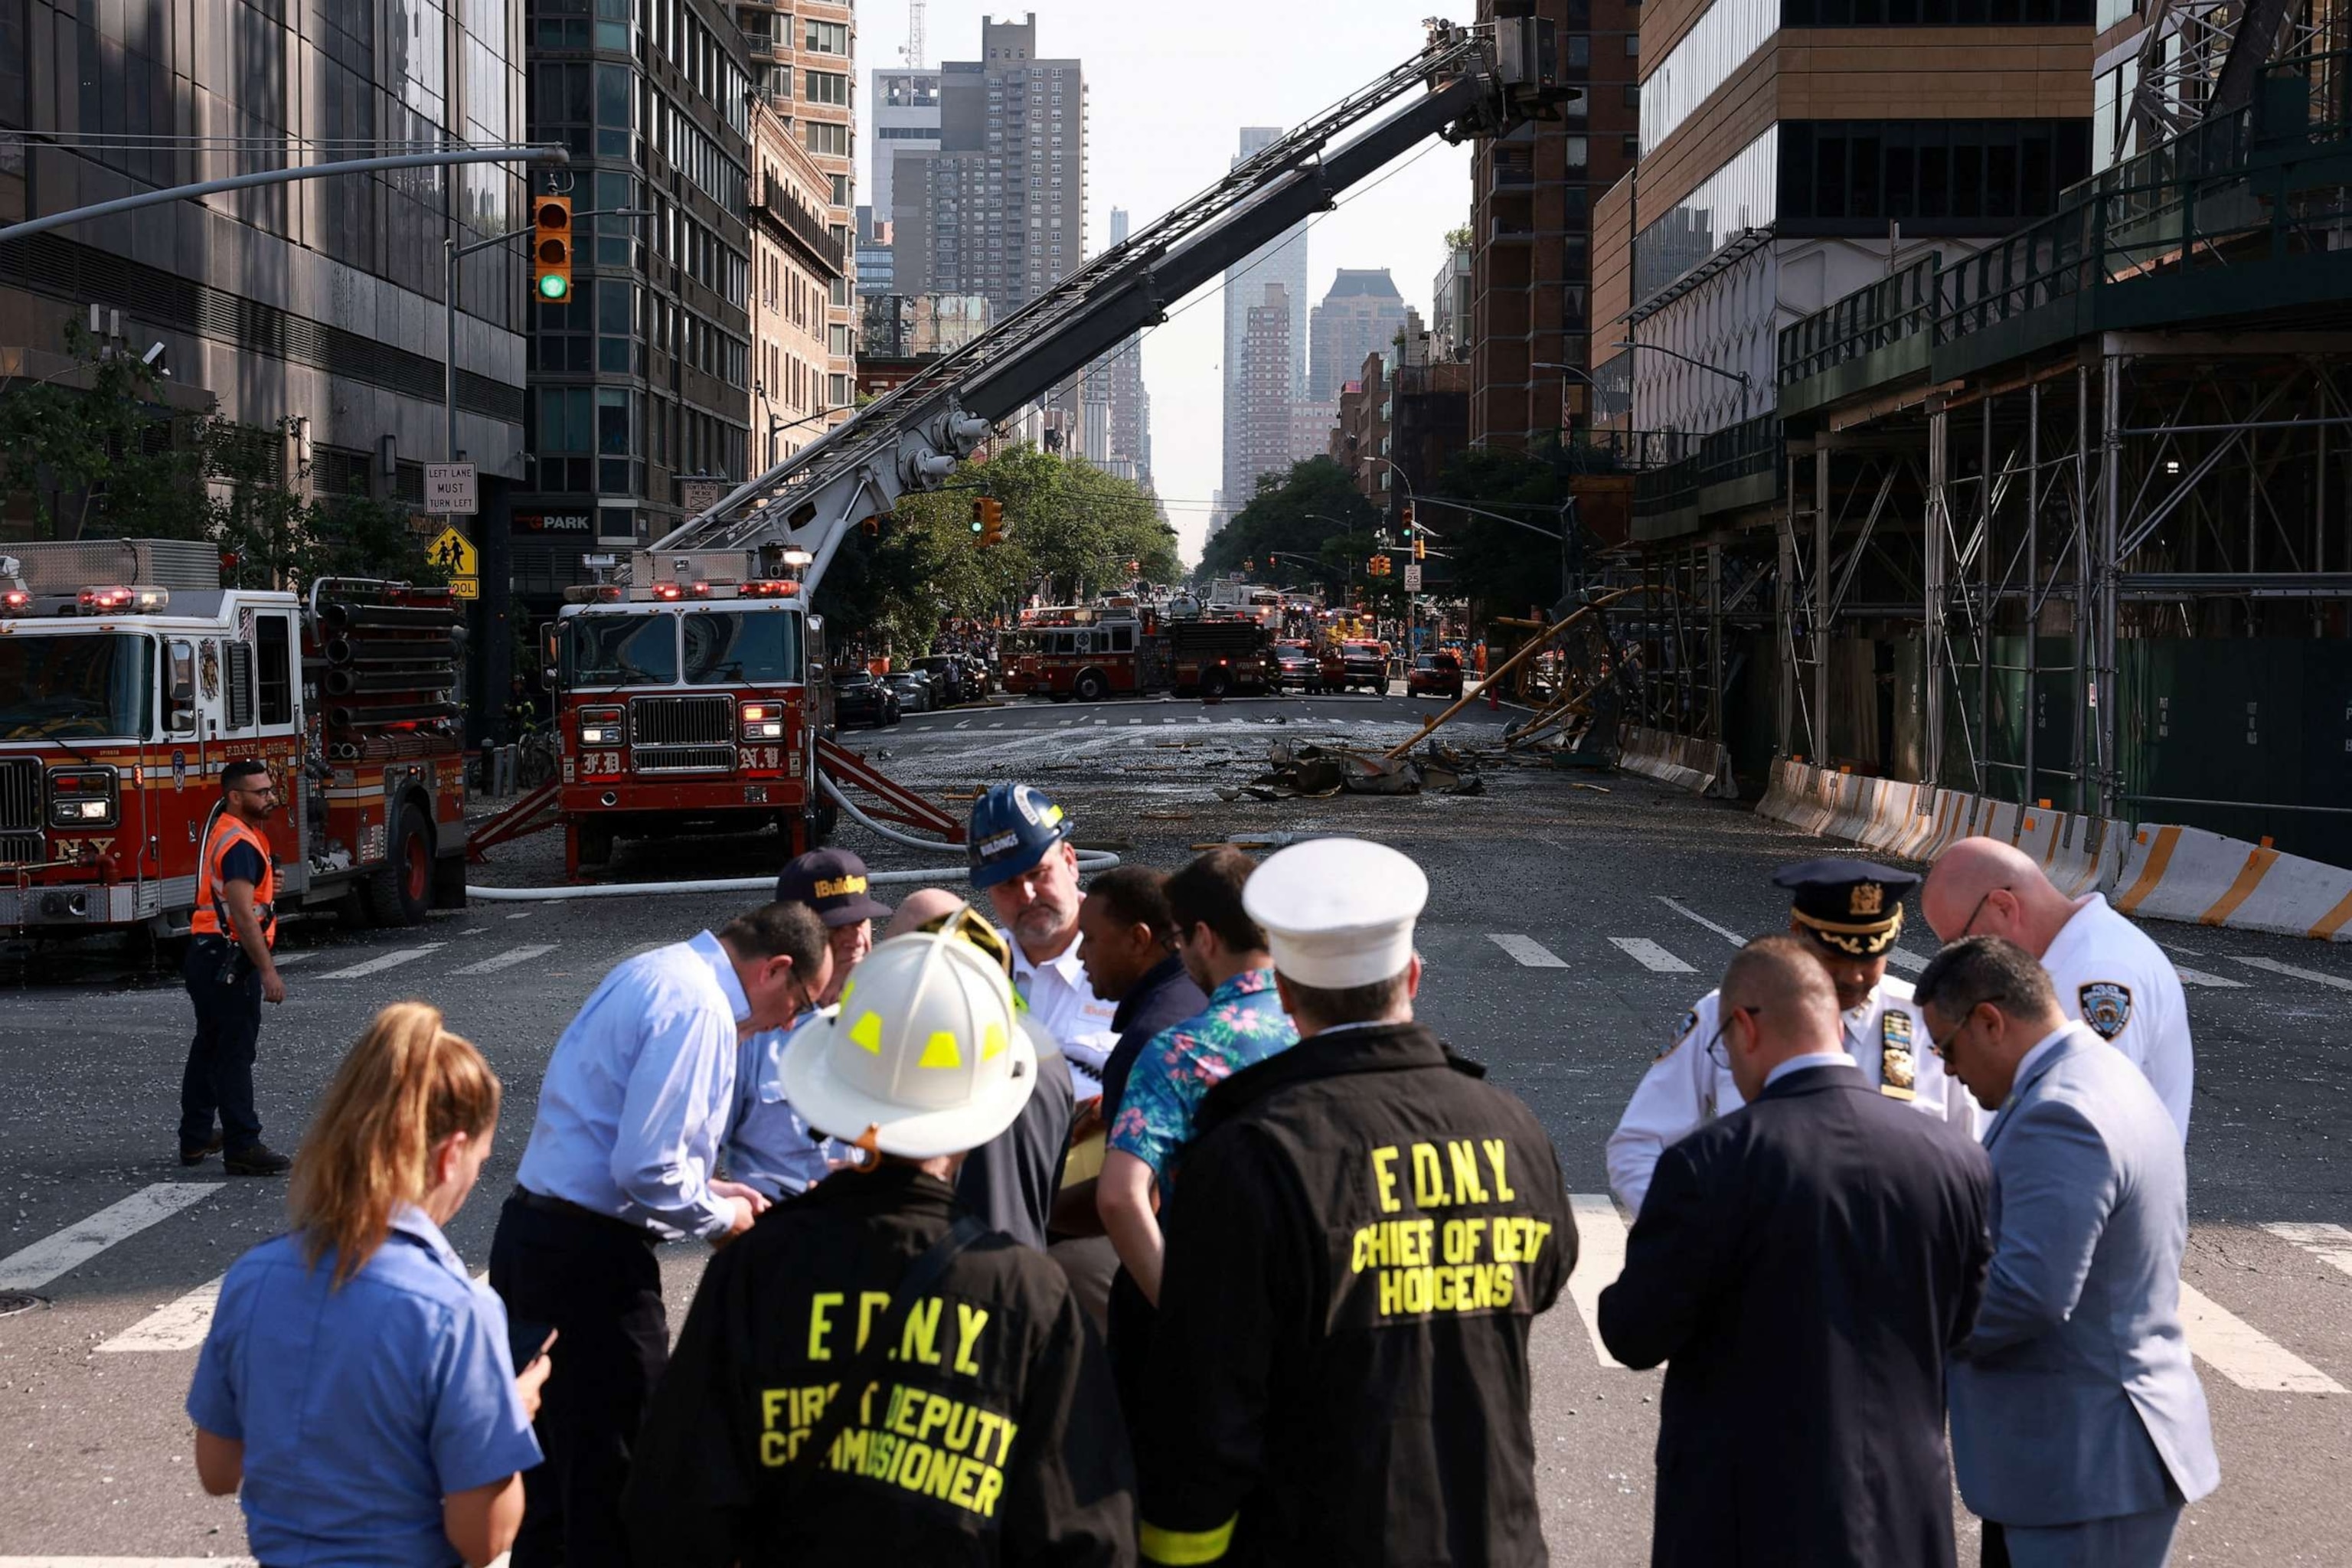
[{"x": 1170, "y": 90}]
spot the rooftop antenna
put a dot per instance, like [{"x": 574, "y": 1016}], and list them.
[{"x": 913, "y": 53}]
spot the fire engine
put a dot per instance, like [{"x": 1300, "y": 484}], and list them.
[
  {"x": 1093, "y": 652},
  {"x": 128, "y": 677},
  {"x": 1481, "y": 81}
]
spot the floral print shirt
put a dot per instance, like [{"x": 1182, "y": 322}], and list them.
[{"x": 1244, "y": 1024}]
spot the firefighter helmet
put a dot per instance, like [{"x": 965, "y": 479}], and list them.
[
  {"x": 1013, "y": 826},
  {"x": 924, "y": 1058}
]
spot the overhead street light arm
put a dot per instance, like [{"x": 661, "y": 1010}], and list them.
[{"x": 1738, "y": 375}]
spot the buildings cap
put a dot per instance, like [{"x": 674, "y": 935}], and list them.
[{"x": 833, "y": 882}]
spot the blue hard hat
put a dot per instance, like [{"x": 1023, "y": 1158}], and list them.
[{"x": 1012, "y": 825}]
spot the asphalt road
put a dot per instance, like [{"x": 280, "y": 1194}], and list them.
[{"x": 1622, "y": 906}]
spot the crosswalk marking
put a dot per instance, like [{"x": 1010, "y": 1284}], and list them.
[
  {"x": 392, "y": 959},
  {"x": 180, "y": 1326},
  {"x": 2242, "y": 1353},
  {"x": 283, "y": 959},
  {"x": 966, "y": 724},
  {"x": 1725, "y": 932},
  {"x": 69, "y": 1248},
  {"x": 1908, "y": 961},
  {"x": 2275, "y": 967},
  {"x": 1599, "y": 1259},
  {"x": 522, "y": 914},
  {"x": 999, "y": 725},
  {"x": 2331, "y": 1244},
  {"x": 2198, "y": 977},
  {"x": 1531, "y": 954},
  {"x": 1135, "y": 720},
  {"x": 510, "y": 958},
  {"x": 1650, "y": 955}
]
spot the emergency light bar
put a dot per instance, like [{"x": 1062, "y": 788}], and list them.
[
  {"x": 15, "y": 602},
  {"x": 114, "y": 598}
]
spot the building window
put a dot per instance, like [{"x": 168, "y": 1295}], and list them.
[
  {"x": 827, "y": 37},
  {"x": 1579, "y": 51},
  {"x": 824, "y": 87},
  {"x": 1579, "y": 151},
  {"x": 1630, "y": 148},
  {"x": 1633, "y": 95},
  {"x": 1935, "y": 176},
  {"x": 826, "y": 140}
]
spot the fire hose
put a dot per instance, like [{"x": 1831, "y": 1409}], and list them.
[{"x": 1089, "y": 860}]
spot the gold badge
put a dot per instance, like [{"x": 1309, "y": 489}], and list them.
[{"x": 1868, "y": 899}]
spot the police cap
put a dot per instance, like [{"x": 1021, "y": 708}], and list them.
[{"x": 1854, "y": 907}]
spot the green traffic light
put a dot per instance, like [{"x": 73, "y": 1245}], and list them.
[
  {"x": 554, "y": 285},
  {"x": 977, "y": 527}
]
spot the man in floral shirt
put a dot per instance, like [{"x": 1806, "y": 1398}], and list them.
[{"x": 1224, "y": 951}]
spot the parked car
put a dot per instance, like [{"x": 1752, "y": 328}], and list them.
[
  {"x": 1300, "y": 668},
  {"x": 1434, "y": 675},
  {"x": 946, "y": 674},
  {"x": 1354, "y": 664},
  {"x": 916, "y": 692},
  {"x": 860, "y": 699}
]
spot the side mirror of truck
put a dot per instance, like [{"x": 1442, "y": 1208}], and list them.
[
  {"x": 547, "y": 655},
  {"x": 179, "y": 689}
]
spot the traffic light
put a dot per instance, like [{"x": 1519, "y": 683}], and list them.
[
  {"x": 1408, "y": 519},
  {"x": 550, "y": 249},
  {"x": 1420, "y": 548},
  {"x": 988, "y": 521}
]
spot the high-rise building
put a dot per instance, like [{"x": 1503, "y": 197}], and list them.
[
  {"x": 904, "y": 112},
  {"x": 1000, "y": 207},
  {"x": 1360, "y": 315},
  {"x": 1261, "y": 428},
  {"x": 1281, "y": 260},
  {"x": 1532, "y": 198},
  {"x": 795, "y": 262},
  {"x": 1449, "y": 307},
  {"x": 320, "y": 302},
  {"x": 644, "y": 376},
  {"x": 1131, "y": 402}
]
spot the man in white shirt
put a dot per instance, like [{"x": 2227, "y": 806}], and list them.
[
  {"x": 2106, "y": 970},
  {"x": 1022, "y": 858}
]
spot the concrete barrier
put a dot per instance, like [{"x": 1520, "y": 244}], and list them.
[
  {"x": 2189, "y": 874},
  {"x": 1702, "y": 767}
]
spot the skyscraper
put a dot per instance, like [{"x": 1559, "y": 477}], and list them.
[
  {"x": 1360, "y": 315},
  {"x": 904, "y": 111},
  {"x": 1130, "y": 403},
  {"x": 1261, "y": 440},
  {"x": 999, "y": 208},
  {"x": 1281, "y": 260}
]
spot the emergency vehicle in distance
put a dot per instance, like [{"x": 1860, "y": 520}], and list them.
[
  {"x": 1122, "y": 647},
  {"x": 128, "y": 677},
  {"x": 691, "y": 699}
]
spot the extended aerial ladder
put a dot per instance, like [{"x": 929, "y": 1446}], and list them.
[{"x": 1482, "y": 80}]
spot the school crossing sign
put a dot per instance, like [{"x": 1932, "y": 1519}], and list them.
[{"x": 455, "y": 554}]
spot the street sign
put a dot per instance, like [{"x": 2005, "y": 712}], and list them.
[
  {"x": 699, "y": 496},
  {"x": 451, "y": 490},
  {"x": 455, "y": 554},
  {"x": 1412, "y": 578},
  {"x": 465, "y": 587}
]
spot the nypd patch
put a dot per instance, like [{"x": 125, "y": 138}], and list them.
[
  {"x": 1683, "y": 1031},
  {"x": 2106, "y": 1007}
]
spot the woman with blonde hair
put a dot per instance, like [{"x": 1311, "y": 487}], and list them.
[{"x": 356, "y": 1381}]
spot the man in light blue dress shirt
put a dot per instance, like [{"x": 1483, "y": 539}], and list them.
[{"x": 631, "y": 1112}]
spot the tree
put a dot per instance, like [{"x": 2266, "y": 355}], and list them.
[
  {"x": 1457, "y": 238},
  {"x": 1315, "y": 510}
]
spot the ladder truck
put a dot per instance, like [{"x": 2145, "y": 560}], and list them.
[{"x": 1467, "y": 81}]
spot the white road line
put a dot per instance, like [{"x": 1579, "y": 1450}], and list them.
[
  {"x": 1650, "y": 955},
  {"x": 2242, "y": 1353},
  {"x": 389, "y": 961},
  {"x": 2331, "y": 1244},
  {"x": 965, "y": 724},
  {"x": 180, "y": 1326},
  {"x": 1599, "y": 1259},
  {"x": 1908, "y": 961},
  {"x": 1064, "y": 723},
  {"x": 996, "y": 726},
  {"x": 2176, "y": 947},
  {"x": 1135, "y": 720},
  {"x": 2275, "y": 967},
  {"x": 522, "y": 914},
  {"x": 283, "y": 959},
  {"x": 508, "y": 959},
  {"x": 1200, "y": 717},
  {"x": 69, "y": 1248},
  {"x": 1531, "y": 954},
  {"x": 1725, "y": 932},
  {"x": 2198, "y": 977}
]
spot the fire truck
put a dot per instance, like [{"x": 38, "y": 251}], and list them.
[
  {"x": 1481, "y": 82},
  {"x": 128, "y": 677},
  {"x": 1093, "y": 653},
  {"x": 690, "y": 698}
]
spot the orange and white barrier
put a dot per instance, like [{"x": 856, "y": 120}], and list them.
[
  {"x": 2189, "y": 874},
  {"x": 1702, "y": 767}
]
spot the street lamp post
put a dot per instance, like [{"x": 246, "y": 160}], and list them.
[{"x": 1412, "y": 601}]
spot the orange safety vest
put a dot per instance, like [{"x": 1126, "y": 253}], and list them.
[{"x": 211, "y": 916}]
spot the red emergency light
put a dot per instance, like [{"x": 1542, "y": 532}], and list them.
[
  {"x": 98, "y": 601},
  {"x": 667, "y": 591},
  {"x": 15, "y": 602},
  {"x": 770, "y": 589}
]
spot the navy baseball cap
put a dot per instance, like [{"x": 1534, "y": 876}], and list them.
[{"x": 833, "y": 882}]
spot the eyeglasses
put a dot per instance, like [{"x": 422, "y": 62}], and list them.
[
  {"x": 265, "y": 789},
  {"x": 1979, "y": 910},
  {"x": 1715, "y": 1051},
  {"x": 1943, "y": 1048}
]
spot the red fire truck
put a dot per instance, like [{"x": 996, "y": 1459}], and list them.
[
  {"x": 128, "y": 677},
  {"x": 691, "y": 699},
  {"x": 1093, "y": 652}
]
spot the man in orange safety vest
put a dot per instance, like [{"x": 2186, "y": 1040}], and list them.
[{"x": 229, "y": 972}]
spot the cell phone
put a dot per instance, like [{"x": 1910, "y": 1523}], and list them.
[{"x": 527, "y": 1340}]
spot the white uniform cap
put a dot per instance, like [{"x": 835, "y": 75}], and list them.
[{"x": 1337, "y": 912}]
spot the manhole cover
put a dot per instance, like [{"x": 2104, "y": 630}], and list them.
[{"x": 18, "y": 1301}]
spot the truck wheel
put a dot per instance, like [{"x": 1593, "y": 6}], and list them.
[
  {"x": 1091, "y": 687},
  {"x": 399, "y": 891},
  {"x": 1215, "y": 684}
]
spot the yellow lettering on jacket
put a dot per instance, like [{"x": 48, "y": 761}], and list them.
[
  {"x": 1482, "y": 1254},
  {"x": 820, "y": 1308},
  {"x": 970, "y": 1322},
  {"x": 924, "y": 1442}
]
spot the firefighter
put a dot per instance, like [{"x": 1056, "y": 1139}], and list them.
[
  {"x": 1849, "y": 915},
  {"x": 872, "y": 1375},
  {"x": 1361, "y": 1235},
  {"x": 229, "y": 974}
]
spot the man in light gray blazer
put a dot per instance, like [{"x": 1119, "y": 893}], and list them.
[{"x": 2079, "y": 1429}]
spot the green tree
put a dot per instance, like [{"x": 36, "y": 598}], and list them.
[{"x": 1314, "y": 510}]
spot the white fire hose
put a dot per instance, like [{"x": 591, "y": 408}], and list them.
[{"x": 1088, "y": 861}]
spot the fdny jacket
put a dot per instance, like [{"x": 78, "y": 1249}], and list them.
[
  {"x": 992, "y": 1434},
  {"x": 1363, "y": 1232}
]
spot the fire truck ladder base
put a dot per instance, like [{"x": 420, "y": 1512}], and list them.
[
  {"x": 534, "y": 813},
  {"x": 896, "y": 803}
]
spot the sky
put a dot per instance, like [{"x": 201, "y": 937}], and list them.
[{"x": 1169, "y": 88}]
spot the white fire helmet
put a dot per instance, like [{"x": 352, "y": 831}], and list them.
[{"x": 926, "y": 1052}]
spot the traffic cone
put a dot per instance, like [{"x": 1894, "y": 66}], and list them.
[{"x": 1493, "y": 698}]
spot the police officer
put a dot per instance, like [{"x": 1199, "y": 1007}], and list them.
[
  {"x": 1849, "y": 914},
  {"x": 230, "y": 972},
  {"x": 2108, "y": 972},
  {"x": 1363, "y": 1233},
  {"x": 872, "y": 1375}
]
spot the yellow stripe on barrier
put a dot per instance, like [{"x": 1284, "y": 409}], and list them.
[
  {"x": 2158, "y": 856},
  {"x": 2333, "y": 921},
  {"x": 1180, "y": 1548},
  {"x": 2250, "y": 877}
]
